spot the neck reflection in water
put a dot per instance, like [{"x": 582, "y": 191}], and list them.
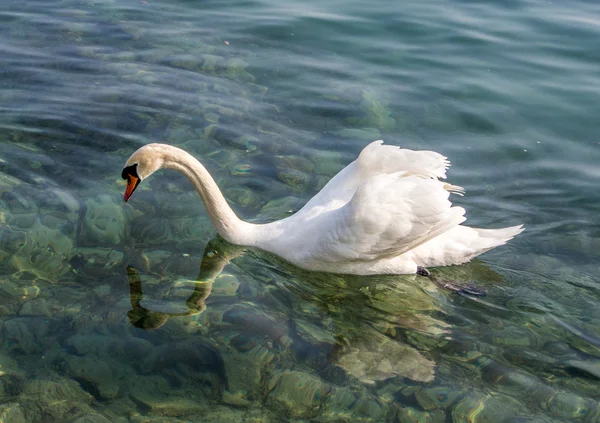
[{"x": 214, "y": 259}]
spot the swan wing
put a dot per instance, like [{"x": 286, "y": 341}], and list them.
[
  {"x": 374, "y": 160},
  {"x": 388, "y": 216}
]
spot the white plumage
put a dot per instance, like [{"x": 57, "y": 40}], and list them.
[{"x": 387, "y": 212}]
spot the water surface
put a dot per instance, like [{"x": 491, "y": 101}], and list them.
[{"x": 137, "y": 313}]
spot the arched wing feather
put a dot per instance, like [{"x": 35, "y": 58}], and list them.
[
  {"x": 388, "y": 216},
  {"x": 377, "y": 158},
  {"x": 374, "y": 160}
]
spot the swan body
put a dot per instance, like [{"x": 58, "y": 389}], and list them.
[{"x": 387, "y": 212}]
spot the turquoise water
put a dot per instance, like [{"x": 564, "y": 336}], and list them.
[{"x": 106, "y": 311}]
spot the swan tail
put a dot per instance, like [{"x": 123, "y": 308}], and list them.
[
  {"x": 461, "y": 244},
  {"x": 454, "y": 189}
]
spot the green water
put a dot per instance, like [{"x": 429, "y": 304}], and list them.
[{"x": 106, "y": 311}]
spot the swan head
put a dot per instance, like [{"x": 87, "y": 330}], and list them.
[{"x": 143, "y": 163}]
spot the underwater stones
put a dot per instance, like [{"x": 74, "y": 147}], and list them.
[
  {"x": 480, "y": 408},
  {"x": 21, "y": 334},
  {"x": 193, "y": 357},
  {"x": 299, "y": 394},
  {"x": 437, "y": 397},
  {"x": 295, "y": 172},
  {"x": 587, "y": 367},
  {"x": 296, "y": 180},
  {"x": 338, "y": 405},
  {"x": 299, "y": 163},
  {"x": 237, "y": 400},
  {"x": 242, "y": 196},
  {"x": 12, "y": 241},
  {"x": 60, "y": 208},
  {"x": 381, "y": 358},
  {"x": 254, "y": 322},
  {"x": 246, "y": 143},
  {"x": 514, "y": 336},
  {"x": 210, "y": 62},
  {"x": 177, "y": 133},
  {"x": 104, "y": 222},
  {"x": 9, "y": 366},
  {"x": 83, "y": 344},
  {"x": 150, "y": 230},
  {"x": 37, "y": 307},
  {"x": 280, "y": 207},
  {"x": 133, "y": 348},
  {"x": 14, "y": 289},
  {"x": 93, "y": 372},
  {"x": 369, "y": 409},
  {"x": 7, "y": 182},
  {"x": 224, "y": 157},
  {"x": 211, "y": 117},
  {"x": 156, "y": 394},
  {"x": 255, "y": 90},
  {"x": 221, "y": 414},
  {"x": 96, "y": 261},
  {"x": 236, "y": 69},
  {"x": 187, "y": 62},
  {"x": 60, "y": 400},
  {"x": 44, "y": 254},
  {"x": 190, "y": 229},
  {"x": 515, "y": 383},
  {"x": 525, "y": 357},
  {"x": 245, "y": 371},
  {"x": 362, "y": 134},
  {"x": 410, "y": 415},
  {"x": 92, "y": 418},
  {"x": 127, "y": 349},
  {"x": 566, "y": 405},
  {"x": 314, "y": 334},
  {"x": 225, "y": 285},
  {"x": 240, "y": 169},
  {"x": 376, "y": 111},
  {"x": 18, "y": 204},
  {"x": 11, "y": 413}
]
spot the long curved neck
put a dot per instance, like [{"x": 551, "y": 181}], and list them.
[{"x": 228, "y": 225}]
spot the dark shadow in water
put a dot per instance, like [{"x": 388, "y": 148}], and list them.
[{"x": 215, "y": 257}]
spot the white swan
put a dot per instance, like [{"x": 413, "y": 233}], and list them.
[{"x": 387, "y": 212}]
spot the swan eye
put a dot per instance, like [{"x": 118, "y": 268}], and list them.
[{"x": 129, "y": 170}]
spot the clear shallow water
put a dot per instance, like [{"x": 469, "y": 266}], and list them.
[{"x": 275, "y": 98}]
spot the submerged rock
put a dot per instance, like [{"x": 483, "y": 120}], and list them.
[
  {"x": 381, "y": 358},
  {"x": 155, "y": 393},
  {"x": 24, "y": 335},
  {"x": 298, "y": 394},
  {"x": 437, "y": 397},
  {"x": 49, "y": 400},
  {"x": 566, "y": 405},
  {"x": 92, "y": 418},
  {"x": 104, "y": 222},
  {"x": 95, "y": 372},
  {"x": 245, "y": 372},
  {"x": 410, "y": 415},
  {"x": 11, "y": 413},
  {"x": 44, "y": 254},
  {"x": 480, "y": 408}
]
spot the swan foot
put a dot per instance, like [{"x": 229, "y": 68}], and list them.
[
  {"x": 422, "y": 271},
  {"x": 451, "y": 286},
  {"x": 462, "y": 289}
]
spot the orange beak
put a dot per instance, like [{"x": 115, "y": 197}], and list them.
[{"x": 132, "y": 183}]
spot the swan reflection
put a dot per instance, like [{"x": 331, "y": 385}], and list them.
[{"x": 216, "y": 256}]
